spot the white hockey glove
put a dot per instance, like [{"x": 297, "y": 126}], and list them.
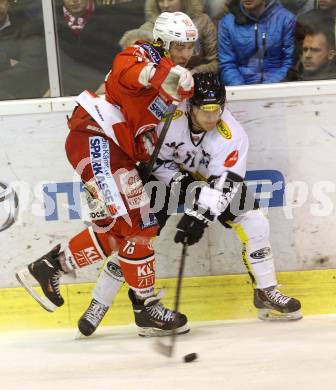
[
  {"x": 173, "y": 81},
  {"x": 218, "y": 195},
  {"x": 212, "y": 199},
  {"x": 180, "y": 183}
]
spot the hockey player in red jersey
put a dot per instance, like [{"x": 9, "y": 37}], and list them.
[
  {"x": 106, "y": 140},
  {"x": 205, "y": 142}
]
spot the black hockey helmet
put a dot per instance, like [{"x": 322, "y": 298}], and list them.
[{"x": 209, "y": 93}]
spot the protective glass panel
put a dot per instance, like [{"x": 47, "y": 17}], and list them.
[
  {"x": 88, "y": 35},
  {"x": 23, "y": 62}
]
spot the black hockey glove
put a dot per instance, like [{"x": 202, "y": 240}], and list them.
[
  {"x": 191, "y": 226},
  {"x": 142, "y": 168}
]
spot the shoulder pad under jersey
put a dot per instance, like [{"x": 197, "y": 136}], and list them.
[{"x": 223, "y": 129}]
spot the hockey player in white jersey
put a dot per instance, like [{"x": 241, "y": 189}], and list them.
[{"x": 206, "y": 143}]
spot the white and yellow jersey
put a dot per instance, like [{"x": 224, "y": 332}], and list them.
[{"x": 206, "y": 154}]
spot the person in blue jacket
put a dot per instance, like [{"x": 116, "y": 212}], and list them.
[{"x": 256, "y": 42}]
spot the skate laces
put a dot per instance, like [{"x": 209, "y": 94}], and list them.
[
  {"x": 156, "y": 309},
  {"x": 276, "y": 296},
  {"x": 55, "y": 281},
  {"x": 95, "y": 312},
  {"x": 159, "y": 312}
]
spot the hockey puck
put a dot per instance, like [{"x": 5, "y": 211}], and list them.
[{"x": 190, "y": 357}]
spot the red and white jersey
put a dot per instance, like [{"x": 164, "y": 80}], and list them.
[
  {"x": 130, "y": 109},
  {"x": 206, "y": 154},
  {"x": 142, "y": 107}
]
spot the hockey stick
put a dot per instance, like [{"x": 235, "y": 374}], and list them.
[
  {"x": 165, "y": 128},
  {"x": 163, "y": 349}
]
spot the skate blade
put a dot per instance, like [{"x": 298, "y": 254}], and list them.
[
  {"x": 272, "y": 315},
  {"x": 80, "y": 336},
  {"x": 27, "y": 281},
  {"x": 156, "y": 332}
]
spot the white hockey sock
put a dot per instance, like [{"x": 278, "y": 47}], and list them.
[
  {"x": 109, "y": 282},
  {"x": 261, "y": 261},
  {"x": 253, "y": 230}
]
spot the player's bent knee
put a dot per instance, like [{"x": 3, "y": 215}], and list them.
[
  {"x": 256, "y": 226},
  {"x": 137, "y": 262},
  {"x": 86, "y": 248}
]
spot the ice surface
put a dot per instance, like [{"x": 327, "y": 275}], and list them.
[{"x": 233, "y": 355}]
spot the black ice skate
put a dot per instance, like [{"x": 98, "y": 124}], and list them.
[
  {"x": 153, "y": 319},
  {"x": 92, "y": 317},
  {"x": 46, "y": 271},
  {"x": 274, "y": 306}
]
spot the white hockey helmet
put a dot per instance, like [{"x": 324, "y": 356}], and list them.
[{"x": 174, "y": 27}]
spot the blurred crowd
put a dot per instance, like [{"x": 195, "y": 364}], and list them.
[{"x": 246, "y": 41}]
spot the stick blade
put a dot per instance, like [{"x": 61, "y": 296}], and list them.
[{"x": 163, "y": 349}]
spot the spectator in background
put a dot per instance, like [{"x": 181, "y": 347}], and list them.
[
  {"x": 216, "y": 9},
  {"x": 205, "y": 52},
  {"x": 255, "y": 42},
  {"x": 33, "y": 8},
  {"x": 317, "y": 60},
  {"x": 131, "y": 36},
  {"x": 112, "y": 2},
  {"x": 23, "y": 63},
  {"x": 298, "y": 7},
  {"x": 88, "y": 39},
  {"x": 324, "y": 14},
  {"x": 328, "y": 6}
]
